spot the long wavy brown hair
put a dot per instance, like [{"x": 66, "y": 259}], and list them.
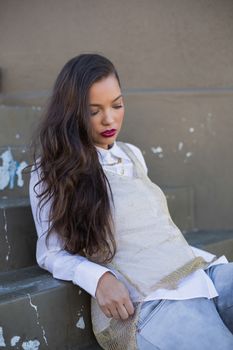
[{"x": 72, "y": 177}]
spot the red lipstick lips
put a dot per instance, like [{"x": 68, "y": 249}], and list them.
[{"x": 108, "y": 133}]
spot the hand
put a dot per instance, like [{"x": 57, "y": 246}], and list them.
[{"x": 113, "y": 297}]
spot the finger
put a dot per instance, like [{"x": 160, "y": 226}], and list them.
[
  {"x": 108, "y": 313},
  {"x": 114, "y": 313},
  {"x": 129, "y": 307},
  {"x": 123, "y": 312}
]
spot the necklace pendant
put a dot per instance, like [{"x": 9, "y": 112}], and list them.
[{"x": 122, "y": 171}]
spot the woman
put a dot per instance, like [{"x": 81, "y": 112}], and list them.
[{"x": 103, "y": 225}]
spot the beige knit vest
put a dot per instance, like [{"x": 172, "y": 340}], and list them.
[{"x": 151, "y": 251}]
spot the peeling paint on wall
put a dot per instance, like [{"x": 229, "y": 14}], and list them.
[
  {"x": 2, "y": 340},
  {"x": 157, "y": 150},
  {"x": 180, "y": 146},
  {"x": 38, "y": 317},
  {"x": 19, "y": 170},
  {"x": 6, "y": 237},
  {"x": 80, "y": 323},
  {"x": 209, "y": 124},
  {"x": 9, "y": 170},
  {"x": 15, "y": 340},
  {"x": 188, "y": 154},
  {"x": 31, "y": 345}
]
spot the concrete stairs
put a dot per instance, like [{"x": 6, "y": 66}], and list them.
[{"x": 36, "y": 310}]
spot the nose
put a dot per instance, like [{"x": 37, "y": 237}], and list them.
[{"x": 108, "y": 118}]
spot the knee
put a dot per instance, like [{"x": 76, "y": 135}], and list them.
[
  {"x": 222, "y": 277},
  {"x": 221, "y": 272}
]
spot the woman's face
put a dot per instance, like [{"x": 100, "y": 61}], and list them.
[{"x": 107, "y": 111}]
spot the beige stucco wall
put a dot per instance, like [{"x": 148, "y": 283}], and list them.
[{"x": 175, "y": 60}]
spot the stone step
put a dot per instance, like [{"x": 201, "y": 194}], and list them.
[
  {"x": 17, "y": 234},
  {"x": 42, "y": 312},
  {"x": 218, "y": 242}
]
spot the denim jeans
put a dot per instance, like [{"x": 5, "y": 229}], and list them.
[{"x": 193, "y": 324}]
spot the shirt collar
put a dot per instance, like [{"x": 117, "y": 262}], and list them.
[{"x": 115, "y": 150}]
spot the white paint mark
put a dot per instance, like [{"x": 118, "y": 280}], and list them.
[
  {"x": 19, "y": 170},
  {"x": 191, "y": 130},
  {"x": 79, "y": 292},
  {"x": 170, "y": 196},
  {"x": 15, "y": 340},
  {"x": 156, "y": 150},
  {"x": 210, "y": 124},
  {"x": 160, "y": 155},
  {"x": 2, "y": 340},
  {"x": 4, "y": 169},
  {"x": 188, "y": 154},
  {"x": 80, "y": 323},
  {"x": 180, "y": 146},
  {"x": 37, "y": 315},
  {"x": 17, "y": 136},
  {"x": 31, "y": 345},
  {"x": 6, "y": 237},
  {"x": 23, "y": 150},
  {"x": 32, "y": 305},
  {"x": 9, "y": 169},
  {"x": 5, "y": 220},
  {"x": 36, "y": 108}
]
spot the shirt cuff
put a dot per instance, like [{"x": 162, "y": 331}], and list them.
[{"x": 87, "y": 276}]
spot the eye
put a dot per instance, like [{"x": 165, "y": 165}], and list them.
[
  {"x": 118, "y": 106},
  {"x": 94, "y": 113}
]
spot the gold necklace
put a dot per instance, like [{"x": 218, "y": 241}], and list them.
[{"x": 119, "y": 161}]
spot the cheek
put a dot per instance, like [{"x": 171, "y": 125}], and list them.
[
  {"x": 121, "y": 116},
  {"x": 93, "y": 124}
]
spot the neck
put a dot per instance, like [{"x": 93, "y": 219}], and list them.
[{"x": 110, "y": 146}]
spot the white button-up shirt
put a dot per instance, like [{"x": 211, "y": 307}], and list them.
[{"x": 86, "y": 274}]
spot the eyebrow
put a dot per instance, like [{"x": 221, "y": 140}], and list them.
[{"x": 98, "y": 105}]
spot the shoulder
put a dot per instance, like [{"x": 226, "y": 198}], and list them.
[
  {"x": 35, "y": 171},
  {"x": 35, "y": 183},
  {"x": 138, "y": 154}
]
